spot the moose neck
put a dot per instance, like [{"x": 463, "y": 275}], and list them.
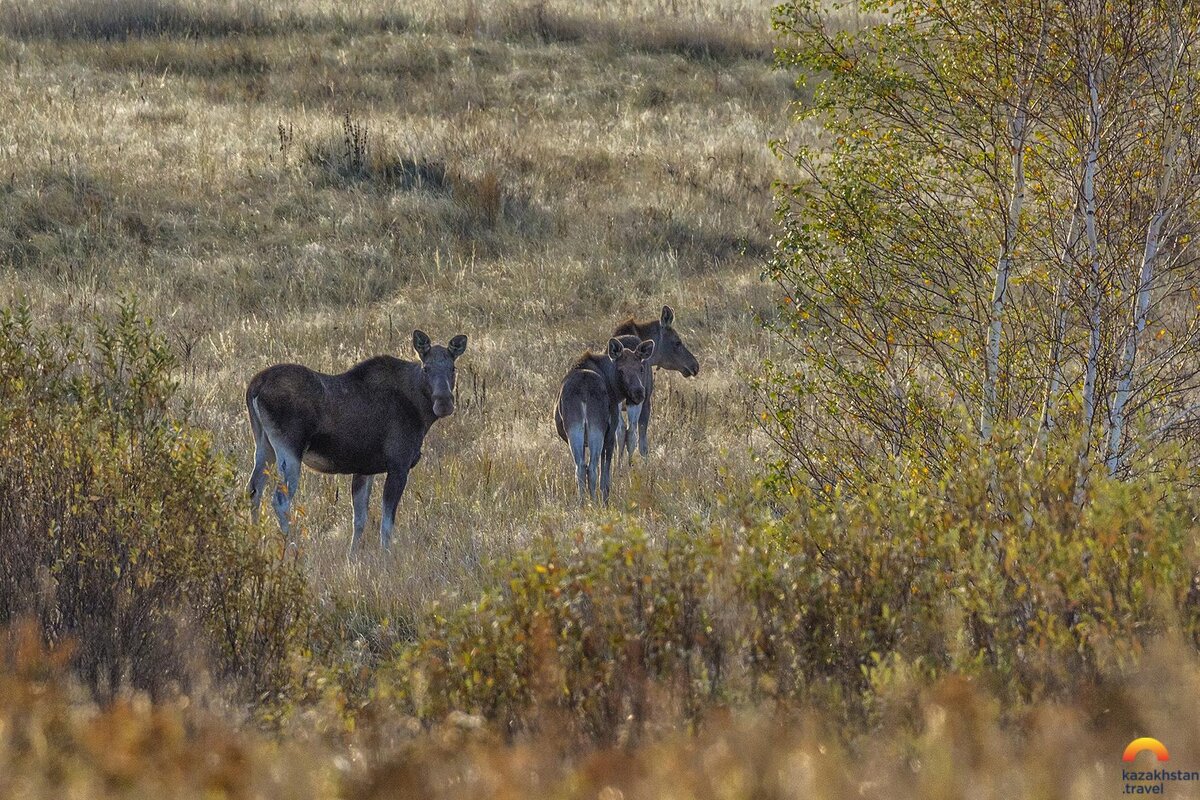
[
  {"x": 418, "y": 393},
  {"x": 599, "y": 363}
]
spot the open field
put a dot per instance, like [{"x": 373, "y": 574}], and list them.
[{"x": 303, "y": 184}]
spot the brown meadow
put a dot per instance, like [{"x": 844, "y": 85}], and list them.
[{"x": 309, "y": 184}]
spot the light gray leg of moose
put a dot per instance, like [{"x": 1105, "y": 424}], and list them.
[
  {"x": 644, "y": 424},
  {"x": 285, "y": 493},
  {"x": 606, "y": 458},
  {"x": 630, "y": 434},
  {"x": 264, "y": 457},
  {"x": 360, "y": 492},
  {"x": 393, "y": 490},
  {"x": 595, "y": 449},
  {"x": 575, "y": 437},
  {"x": 621, "y": 427}
]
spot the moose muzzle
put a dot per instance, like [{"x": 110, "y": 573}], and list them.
[{"x": 443, "y": 405}]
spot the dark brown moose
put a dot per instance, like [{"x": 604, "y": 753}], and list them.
[
  {"x": 669, "y": 353},
  {"x": 370, "y": 419},
  {"x": 588, "y": 408}
]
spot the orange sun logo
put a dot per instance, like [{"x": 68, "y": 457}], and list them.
[{"x": 1145, "y": 743}]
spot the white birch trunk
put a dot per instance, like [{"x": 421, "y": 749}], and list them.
[
  {"x": 1141, "y": 304},
  {"x": 1047, "y": 421},
  {"x": 1019, "y": 135},
  {"x": 1141, "y": 301},
  {"x": 1003, "y": 271},
  {"x": 1094, "y": 291}
]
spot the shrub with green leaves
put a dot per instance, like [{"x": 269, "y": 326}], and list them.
[
  {"x": 833, "y": 602},
  {"x": 580, "y": 634},
  {"x": 116, "y": 520}
]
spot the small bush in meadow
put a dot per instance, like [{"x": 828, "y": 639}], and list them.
[{"x": 116, "y": 520}]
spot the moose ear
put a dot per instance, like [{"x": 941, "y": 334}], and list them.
[
  {"x": 421, "y": 343},
  {"x": 458, "y": 345},
  {"x": 645, "y": 349},
  {"x": 615, "y": 348},
  {"x": 668, "y": 316}
]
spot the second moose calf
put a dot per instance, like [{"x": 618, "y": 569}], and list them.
[
  {"x": 670, "y": 353},
  {"x": 588, "y": 407}
]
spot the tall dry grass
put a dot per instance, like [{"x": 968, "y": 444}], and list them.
[
  {"x": 526, "y": 173},
  {"x": 56, "y": 746}
]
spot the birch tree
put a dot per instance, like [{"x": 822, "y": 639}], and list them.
[
  {"x": 1170, "y": 70},
  {"x": 1019, "y": 126},
  {"x": 901, "y": 242},
  {"x": 989, "y": 228},
  {"x": 1094, "y": 279}
]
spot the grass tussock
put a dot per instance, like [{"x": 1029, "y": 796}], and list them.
[
  {"x": 359, "y": 156},
  {"x": 124, "y": 19}
]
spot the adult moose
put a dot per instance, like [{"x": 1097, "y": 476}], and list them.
[
  {"x": 370, "y": 419},
  {"x": 669, "y": 353},
  {"x": 588, "y": 407}
]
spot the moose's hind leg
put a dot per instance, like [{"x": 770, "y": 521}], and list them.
[
  {"x": 285, "y": 493},
  {"x": 595, "y": 446},
  {"x": 606, "y": 458},
  {"x": 264, "y": 459},
  {"x": 576, "y": 437},
  {"x": 287, "y": 452}
]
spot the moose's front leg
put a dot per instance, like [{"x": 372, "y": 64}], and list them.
[
  {"x": 643, "y": 423},
  {"x": 630, "y": 434},
  {"x": 393, "y": 490},
  {"x": 360, "y": 491}
]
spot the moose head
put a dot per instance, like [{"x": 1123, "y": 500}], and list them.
[
  {"x": 629, "y": 367},
  {"x": 437, "y": 367}
]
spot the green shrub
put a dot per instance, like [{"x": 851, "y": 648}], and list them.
[
  {"x": 116, "y": 519},
  {"x": 835, "y": 603}
]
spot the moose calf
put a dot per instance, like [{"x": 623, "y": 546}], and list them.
[
  {"x": 589, "y": 405},
  {"x": 669, "y": 353}
]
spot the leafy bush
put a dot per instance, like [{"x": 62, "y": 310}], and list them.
[
  {"x": 583, "y": 630},
  {"x": 834, "y": 603},
  {"x": 116, "y": 521}
]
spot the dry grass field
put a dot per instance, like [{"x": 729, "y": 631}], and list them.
[{"x": 302, "y": 182}]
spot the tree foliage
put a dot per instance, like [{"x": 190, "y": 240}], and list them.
[{"x": 991, "y": 231}]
